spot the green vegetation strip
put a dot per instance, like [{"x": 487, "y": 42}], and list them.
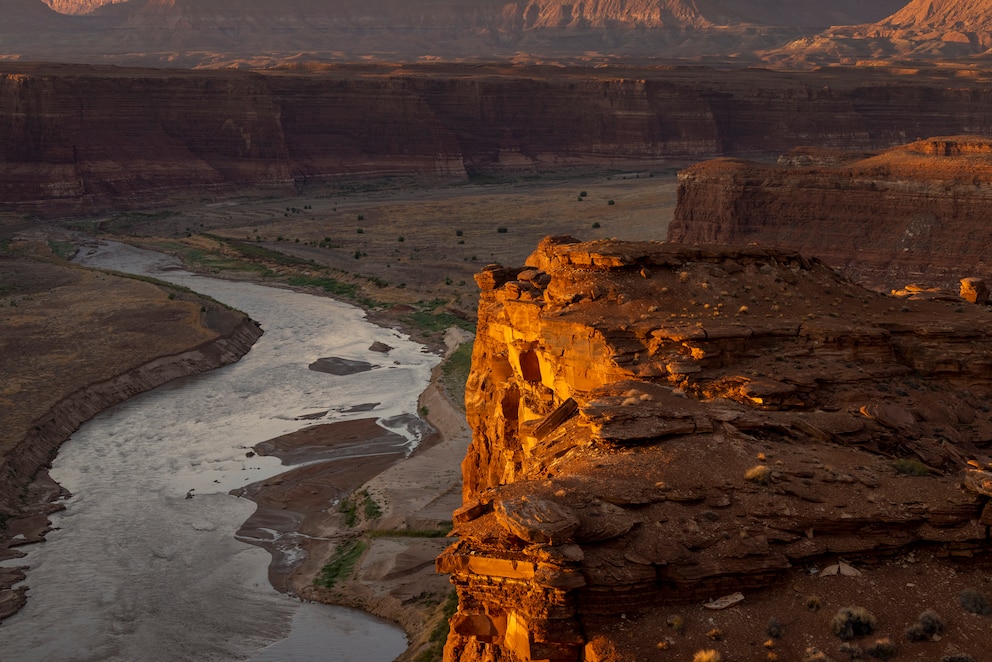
[
  {"x": 342, "y": 563},
  {"x": 454, "y": 373}
]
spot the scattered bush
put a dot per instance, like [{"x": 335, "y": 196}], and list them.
[
  {"x": 359, "y": 231},
  {"x": 676, "y": 622},
  {"x": 361, "y": 217},
  {"x": 882, "y": 649},
  {"x": 910, "y": 466},
  {"x": 974, "y": 602},
  {"x": 707, "y": 656},
  {"x": 813, "y": 602},
  {"x": 851, "y": 622},
  {"x": 611, "y": 202},
  {"x": 928, "y": 624},
  {"x": 501, "y": 230},
  {"x": 853, "y": 650},
  {"x": 596, "y": 225},
  {"x": 459, "y": 233},
  {"x": 715, "y": 634},
  {"x": 583, "y": 194},
  {"x": 775, "y": 628}
]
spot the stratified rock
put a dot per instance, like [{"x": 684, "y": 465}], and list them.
[
  {"x": 86, "y": 139},
  {"x": 380, "y": 347},
  {"x": 639, "y": 439},
  {"x": 884, "y": 220}
]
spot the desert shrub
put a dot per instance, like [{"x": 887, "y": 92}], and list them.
[
  {"x": 853, "y": 650},
  {"x": 974, "y": 602},
  {"x": 928, "y": 624},
  {"x": 676, "y": 622},
  {"x": 595, "y": 225},
  {"x": 910, "y": 466},
  {"x": 851, "y": 622},
  {"x": 709, "y": 655},
  {"x": 775, "y": 628},
  {"x": 611, "y": 202},
  {"x": 759, "y": 473},
  {"x": 459, "y": 233},
  {"x": 501, "y": 230},
  {"x": 813, "y": 602},
  {"x": 583, "y": 194},
  {"x": 716, "y": 634},
  {"x": 882, "y": 649}
]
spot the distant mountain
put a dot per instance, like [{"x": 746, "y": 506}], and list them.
[
  {"x": 923, "y": 29},
  {"x": 260, "y": 32},
  {"x": 78, "y": 6}
]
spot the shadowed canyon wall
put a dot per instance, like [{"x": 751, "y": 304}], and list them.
[
  {"x": 83, "y": 139},
  {"x": 915, "y": 213}
]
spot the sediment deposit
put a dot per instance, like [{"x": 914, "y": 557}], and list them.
[
  {"x": 914, "y": 213},
  {"x": 84, "y": 139},
  {"x": 656, "y": 425}
]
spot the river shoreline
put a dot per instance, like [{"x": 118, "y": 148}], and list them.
[
  {"x": 33, "y": 454},
  {"x": 98, "y": 397}
]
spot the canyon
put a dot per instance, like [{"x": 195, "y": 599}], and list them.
[
  {"x": 910, "y": 214},
  {"x": 84, "y": 139},
  {"x": 682, "y": 448}
]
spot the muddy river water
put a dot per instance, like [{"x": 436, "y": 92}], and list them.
[{"x": 137, "y": 571}]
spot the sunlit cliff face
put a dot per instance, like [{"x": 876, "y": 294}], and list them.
[{"x": 79, "y": 6}]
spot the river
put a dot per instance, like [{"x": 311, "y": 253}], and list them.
[{"x": 134, "y": 570}]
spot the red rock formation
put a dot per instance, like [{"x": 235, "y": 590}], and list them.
[
  {"x": 922, "y": 30},
  {"x": 219, "y": 32},
  {"x": 83, "y": 139},
  {"x": 909, "y": 214},
  {"x": 655, "y": 423}
]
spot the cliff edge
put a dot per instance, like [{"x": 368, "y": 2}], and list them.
[
  {"x": 913, "y": 212},
  {"x": 679, "y": 449}
]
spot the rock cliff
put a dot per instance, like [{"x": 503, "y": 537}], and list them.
[
  {"x": 219, "y": 33},
  {"x": 912, "y": 213},
  {"x": 656, "y": 424},
  {"x": 84, "y": 139},
  {"x": 921, "y": 30}
]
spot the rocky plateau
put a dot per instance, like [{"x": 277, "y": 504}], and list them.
[
  {"x": 911, "y": 214},
  {"x": 657, "y": 426}
]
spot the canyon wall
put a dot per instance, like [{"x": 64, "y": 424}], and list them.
[
  {"x": 657, "y": 424},
  {"x": 81, "y": 140},
  {"x": 915, "y": 213}
]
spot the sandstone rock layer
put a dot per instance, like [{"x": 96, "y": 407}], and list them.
[
  {"x": 914, "y": 213},
  {"x": 81, "y": 140},
  {"x": 656, "y": 423}
]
